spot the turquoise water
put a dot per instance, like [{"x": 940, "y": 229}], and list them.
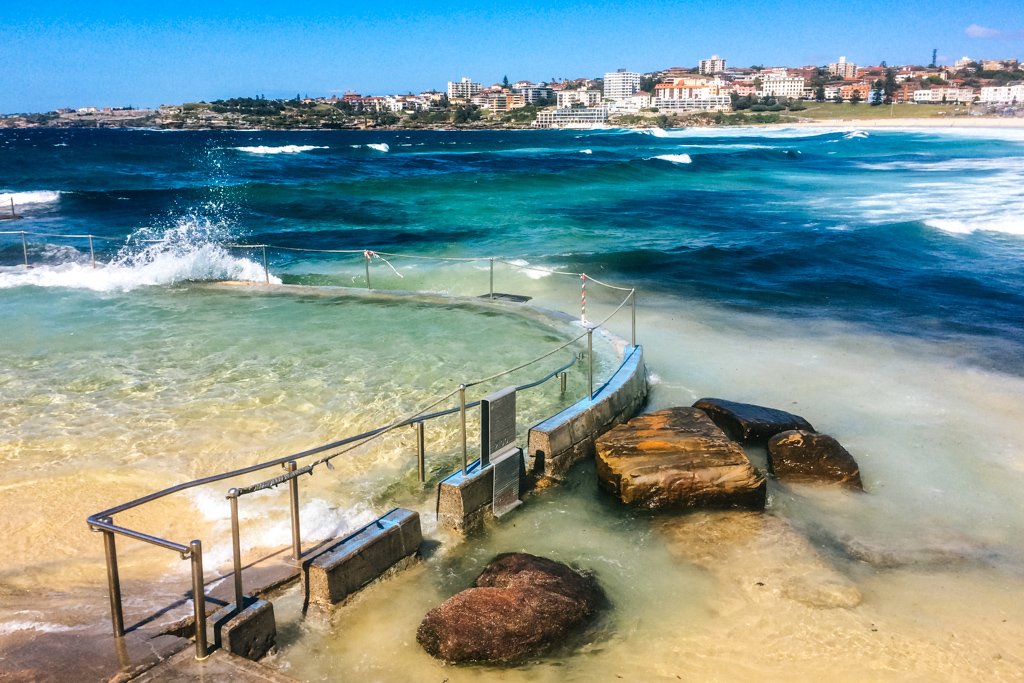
[{"x": 869, "y": 281}]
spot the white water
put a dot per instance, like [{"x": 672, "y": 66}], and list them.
[
  {"x": 189, "y": 251},
  {"x": 280, "y": 149},
  {"x": 29, "y": 197},
  {"x": 675, "y": 158}
]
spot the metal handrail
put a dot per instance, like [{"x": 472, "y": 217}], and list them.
[{"x": 103, "y": 522}]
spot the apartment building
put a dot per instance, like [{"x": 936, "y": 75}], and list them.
[
  {"x": 585, "y": 98},
  {"x": 618, "y": 85},
  {"x": 589, "y": 117},
  {"x": 775, "y": 85},
  {"x": 714, "y": 65},
  {"x": 1003, "y": 94},
  {"x": 533, "y": 93},
  {"x": 463, "y": 90},
  {"x": 944, "y": 95},
  {"x": 843, "y": 68}
]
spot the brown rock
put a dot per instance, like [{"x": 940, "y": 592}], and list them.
[
  {"x": 677, "y": 458},
  {"x": 522, "y": 605},
  {"x": 748, "y": 423},
  {"x": 803, "y": 456}
]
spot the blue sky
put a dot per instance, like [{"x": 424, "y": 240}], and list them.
[{"x": 100, "y": 53}]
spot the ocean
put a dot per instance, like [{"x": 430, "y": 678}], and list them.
[{"x": 870, "y": 281}]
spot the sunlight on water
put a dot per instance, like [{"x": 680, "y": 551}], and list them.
[{"x": 113, "y": 396}]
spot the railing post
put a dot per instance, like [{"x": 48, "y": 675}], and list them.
[
  {"x": 492, "y": 280},
  {"x": 92, "y": 252},
  {"x": 113, "y": 580},
  {"x": 421, "y": 452},
  {"x": 590, "y": 359},
  {"x": 24, "y": 247},
  {"x": 12, "y": 208},
  {"x": 198, "y": 597},
  {"x": 462, "y": 416},
  {"x": 266, "y": 271},
  {"x": 563, "y": 378},
  {"x": 583, "y": 299},
  {"x": 236, "y": 548},
  {"x": 632, "y": 296},
  {"x": 293, "y": 490},
  {"x": 366, "y": 259}
]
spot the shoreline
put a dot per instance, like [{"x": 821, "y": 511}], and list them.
[
  {"x": 838, "y": 123},
  {"x": 957, "y": 122}
]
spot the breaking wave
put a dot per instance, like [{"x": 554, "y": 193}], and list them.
[
  {"x": 192, "y": 250},
  {"x": 30, "y": 197},
  {"x": 282, "y": 149}
]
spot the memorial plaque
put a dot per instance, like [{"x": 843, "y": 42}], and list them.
[{"x": 497, "y": 423}]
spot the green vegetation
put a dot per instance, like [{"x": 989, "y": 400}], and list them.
[{"x": 847, "y": 110}]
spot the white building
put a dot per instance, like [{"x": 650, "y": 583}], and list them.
[
  {"x": 944, "y": 95},
  {"x": 843, "y": 68},
  {"x": 533, "y": 93},
  {"x": 586, "y": 98},
  {"x": 710, "y": 103},
  {"x": 690, "y": 94},
  {"x": 463, "y": 90},
  {"x": 782, "y": 86},
  {"x": 712, "y": 66},
  {"x": 962, "y": 62},
  {"x": 618, "y": 85},
  {"x": 1003, "y": 94},
  {"x": 591, "y": 117}
]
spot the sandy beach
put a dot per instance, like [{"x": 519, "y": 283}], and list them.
[{"x": 908, "y": 123}]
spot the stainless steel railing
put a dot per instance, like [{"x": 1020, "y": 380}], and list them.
[{"x": 103, "y": 522}]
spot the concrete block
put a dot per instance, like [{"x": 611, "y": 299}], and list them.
[
  {"x": 360, "y": 558},
  {"x": 462, "y": 500},
  {"x": 249, "y": 633}
]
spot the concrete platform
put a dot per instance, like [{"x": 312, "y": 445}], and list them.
[
  {"x": 560, "y": 441},
  {"x": 219, "y": 666},
  {"x": 344, "y": 568}
]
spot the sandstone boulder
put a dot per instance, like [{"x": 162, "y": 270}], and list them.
[
  {"x": 521, "y": 606},
  {"x": 677, "y": 458},
  {"x": 748, "y": 423},
  {"x": 801, "y": 456}
]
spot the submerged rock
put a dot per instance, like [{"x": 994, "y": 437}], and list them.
[
  {"x": 677, "y": 458},
  {"x": 748, "y": 423},
  {"x": 522, "y": 605},
  {"x": 801, "y": 456}
]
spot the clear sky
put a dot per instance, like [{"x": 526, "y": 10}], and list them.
[{"x": 62, "y": 54}]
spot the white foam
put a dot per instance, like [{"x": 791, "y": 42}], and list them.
[
  {"x": 855, "y": 134},
  {"x": 586, "y": 151},
  {"x": 282, "y": 149},
  {"x": 189, "y": 251},
  {"x": 29, "y": 197},
  {"x": 675, "y": 158},
  {"x": 1008, "y": 225},
  {"x": 379, "y": 146},
  {"x": 532, "y": 272},
  {"x": 9, "y": 627}
]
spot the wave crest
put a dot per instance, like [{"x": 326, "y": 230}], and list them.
[
  {"x": 281, "y": 149},
  {"x": 29, "y": 197}
]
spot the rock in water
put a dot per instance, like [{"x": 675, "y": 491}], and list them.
[
  {"x": 521, "y": 606},
  {"x": 802, "y": 456},
  {"x": 748, "y": 423},
  {"x": 677, "y": 458}
]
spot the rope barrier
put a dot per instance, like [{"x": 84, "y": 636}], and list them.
[{"x": 367, "y": 253}]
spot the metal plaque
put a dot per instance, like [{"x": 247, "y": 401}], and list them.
[
  {"x": 507, "y": 465},
  {"x": 497, "y": 423}
]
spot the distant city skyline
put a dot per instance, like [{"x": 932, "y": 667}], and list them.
[{"x": 116, "y": 54}]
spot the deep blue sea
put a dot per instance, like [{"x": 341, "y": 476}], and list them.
[
  {"x": 912, "y": 233},
  {"x": 870, "y": 280}
]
